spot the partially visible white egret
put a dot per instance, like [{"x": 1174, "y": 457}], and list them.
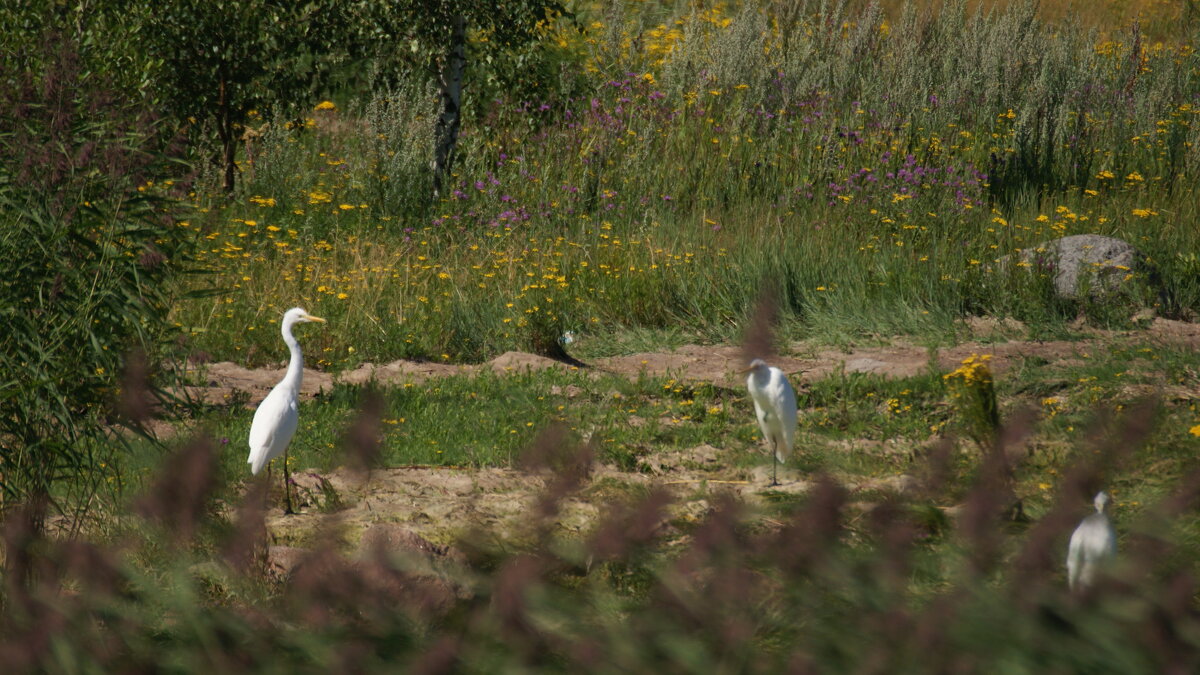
[
  {"x": 1093, "y": 544},
  {"x": 775, "y": 405},
  {"x": 277, "y": 416}
]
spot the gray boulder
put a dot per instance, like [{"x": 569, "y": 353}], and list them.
[{"x": 1092, "y": 262}]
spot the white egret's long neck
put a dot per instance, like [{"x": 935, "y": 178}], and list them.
[
  {"x": 761, "y": 376},
  {"x": 295, "y": 370}
]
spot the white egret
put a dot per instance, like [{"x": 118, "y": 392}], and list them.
[
  {"x": 277, "y": 416},
  {"x": 1093, "y": 543},
  {"x": 775, "y": 405}
]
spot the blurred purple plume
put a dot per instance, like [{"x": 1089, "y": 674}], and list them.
[
  {"x": 362, "y": 439},
  {"x": 758, "y": 342},
  {"x": 137, "y": 398},
  {"x": 178, "y": 499}
]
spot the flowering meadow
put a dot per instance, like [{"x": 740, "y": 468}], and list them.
[
  {"x": 643, "y": 176},
  {"x": 876, "y": 166}
]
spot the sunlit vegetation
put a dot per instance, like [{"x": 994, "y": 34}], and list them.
[{"x": 175, "y": 175}]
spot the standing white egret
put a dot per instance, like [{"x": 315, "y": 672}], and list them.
[
  {"x": 277, "y": 416},
  {"x": 1093, "y": 543},
  {"x": 775, "y": 405}
]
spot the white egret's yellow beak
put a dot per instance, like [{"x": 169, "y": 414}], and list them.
[
  {"x": 745, "y": 370},
  {"x": 310, "y": 317}
]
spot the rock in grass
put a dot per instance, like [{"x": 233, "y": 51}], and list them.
[{"x": 1090, "y": 266}]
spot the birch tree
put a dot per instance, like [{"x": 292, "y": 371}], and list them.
[{"x": 447, "y": 37}]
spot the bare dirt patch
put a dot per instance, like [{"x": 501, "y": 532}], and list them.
[
  {"x": 443, "y": 504},
  {"x": 224, "y": 382},
  {"x": 718, "y": 364},
  {"x": 397, "y": 372},
  {"x": 510, "y": 362},
  {"x": 221, "y": 382}
]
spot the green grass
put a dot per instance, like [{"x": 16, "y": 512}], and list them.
[{"x": 487, "y": 419}]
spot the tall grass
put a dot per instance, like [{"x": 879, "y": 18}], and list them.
[
  {"x": 91, "y": 266},
  {"x": 875, "y": 167}
]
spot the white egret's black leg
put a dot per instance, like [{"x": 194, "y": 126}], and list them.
[
  {"x": 774, "y": 463},
  {"x": 287, "y": 485}
]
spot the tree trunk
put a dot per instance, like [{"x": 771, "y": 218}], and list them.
[
  {"x": 450, "y": 76},
  {"x": 228, "y": 139},
  {"x": 230, "y": 142}
]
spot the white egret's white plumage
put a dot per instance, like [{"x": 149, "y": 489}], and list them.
[
  {"x": 1093, "y": 544},
  {"x": 775, "y": 406},
  {"x": 277, "y": 416}
]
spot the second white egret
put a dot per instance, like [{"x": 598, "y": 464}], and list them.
[
  {"x": 278, "y": 415},
  {"x": 1093, "y": 544},
  {"x": 775, "y": 406}
]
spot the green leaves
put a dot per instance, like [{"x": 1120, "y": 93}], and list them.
[
  {"x": 220, "y": 60},
  {"x": 89, "y": 247}
]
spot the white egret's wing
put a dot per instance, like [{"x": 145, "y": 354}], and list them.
[
  {"x": 1111, "y": 539},
  {"x": 1074, "y": 557},
  {"x": 272, "y": 429},
  {"x": 1093, "y": 544},
  {"x": 786, "y": 396}
]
